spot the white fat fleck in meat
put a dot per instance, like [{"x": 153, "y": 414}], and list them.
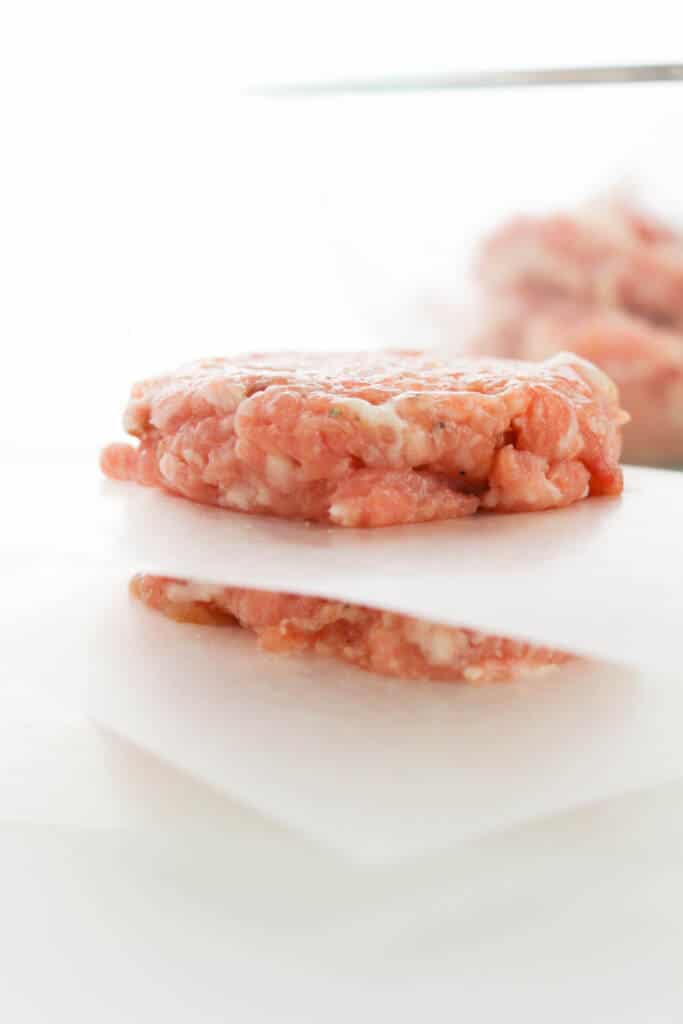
[
  {"x": 162, "y": 414},
  {"x": 245, "y": 496},
  {"x": 541, "y": 488},
  {"x": 182, "y": 592},
  {"x": 135, "y": 416},
  {"x": 329, "y": 612},
  {"x": 439, "y": 644},
  {"x": 538, "y": 492},
  {"x": 193, "y": 458},
  {"x": 572, "y": 442},
  {"x": 551, "y": 491},
  {"x": 237, "y": 496},
  {"x": 169, "y": 466},
  {"x": 600, "y": 383},
  {"x": 221, "y": 395},
  {"x": 410, "y": 442},
  {"x": 344, "y": 514},
  {"x": 281, "y": 472}
]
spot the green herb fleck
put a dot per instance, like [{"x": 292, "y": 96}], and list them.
[{"x": 334, "y": 412}]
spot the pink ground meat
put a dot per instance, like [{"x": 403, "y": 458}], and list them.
[
  {"x": 375, "y": 439},
  {"x": 383, "y": 642},
  {"x": 606, "y": 283}
]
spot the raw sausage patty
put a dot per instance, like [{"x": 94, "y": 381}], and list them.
[
  {"x": 375, "y": 439},
  {"x": 383, "y": 642}
]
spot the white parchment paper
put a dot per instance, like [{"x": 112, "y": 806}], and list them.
[
  {"x": 378, "y": 769},
  {"x": 603, "y": 577}
]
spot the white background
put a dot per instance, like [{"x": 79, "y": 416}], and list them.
[{"x": 148, "y": 216}]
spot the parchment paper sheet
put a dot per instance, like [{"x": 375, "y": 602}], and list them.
[
  {"x": 603, "y": 577},
  {"x": 376, "y": 768}
]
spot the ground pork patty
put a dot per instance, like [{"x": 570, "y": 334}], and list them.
[
  {"x": 383, "y": 642},
  {"x": 605, "y": 282},
  {"x": 375, "y": 439}
]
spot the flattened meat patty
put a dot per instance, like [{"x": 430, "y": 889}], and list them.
[
  {"x": 383, "y": 642},
  {"x": 375, "y": 439}
]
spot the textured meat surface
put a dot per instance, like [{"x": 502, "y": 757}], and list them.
[
  {"x": 606, "y": 283},
  {"x": 375, "y": 439},
  {"x": 383, "y": 642}
]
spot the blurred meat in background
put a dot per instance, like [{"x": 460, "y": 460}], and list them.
[{"x": 606, "y": 282}]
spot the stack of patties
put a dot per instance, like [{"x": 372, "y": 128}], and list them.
[{"x": 368, "y": 441}]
